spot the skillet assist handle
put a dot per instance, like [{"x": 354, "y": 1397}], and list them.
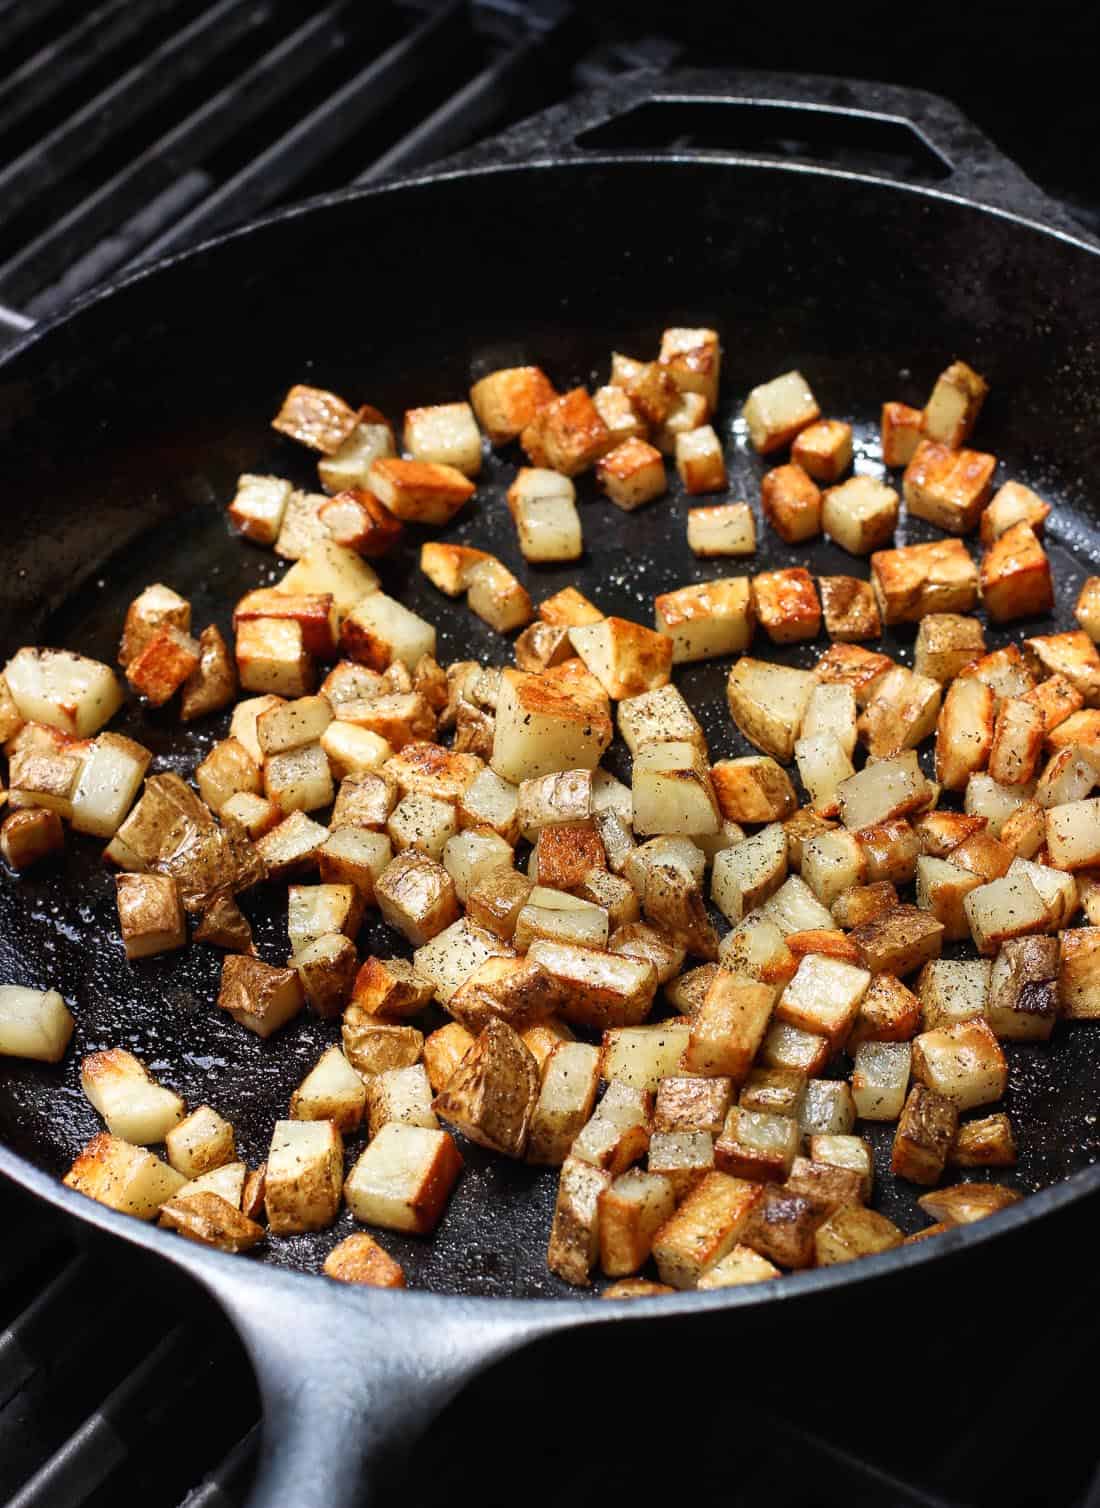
[
  {"x": 893, "y": 132},
  {"x": 350, "y": 1378}
]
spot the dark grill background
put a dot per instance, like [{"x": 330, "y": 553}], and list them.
[{"x": 139, "y": 126}]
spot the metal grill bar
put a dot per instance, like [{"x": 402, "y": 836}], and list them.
[
  {"x": 57, "y": 155},
  {"x": 157, "y": 170},
  {"x": 287, "y": 161}
]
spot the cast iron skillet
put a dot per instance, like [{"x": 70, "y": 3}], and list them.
[{"x": 125, "y": 423}]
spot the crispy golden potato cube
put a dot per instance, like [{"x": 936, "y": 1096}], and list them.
[
  {"x": 938, "y": 577},
  {"x": 963, "y": 1062},
  {"x": 358, "y": 1258},
  {"x": 390, "y": 988},
  {"x": 293, "y": 846},
  {"x": 431, "y": 770},
  {"x": 753, "y": 789},
  {"x": 1013, "y": 504},
  {"x": 404, "y": 1178},
  {"x": 489, "y": 802},
  {"x": 213, "y": 682},
  {"x": 722, "y": 529},
  {"x": 880, "y": 1079},
  {"x": 354, "y": 519},
  {"x": 541, "y": 727},
  {"x": 1016, "y": 577},
  {"x": 782, "y": 1226},
  {"x": 953, "y": 408},
  {"x": 862, "y": 903},
  {"x": 687, "y": 991},
  {"x": 1004, "y": 671},
  {"x": 257, "y": 508},
  {"x": 314, "y": 612},
  {"x": 699, "y": 461},
  {"x": 566, "y": 434},
  {"x": 899, "y": 941},
  {"x": 228, "y": 770},
  {"x": 123, "y": 1177},
  {"x": 1079, "y": 973},
  {"x": 768, "y": 703},
  {"x": 506, "y": 401},
  {"x": 692, "y": 1104},
  {"x": 849, "y": 665},
  {"x": 448, "y": 566},
  {"x": 559, "y": 917},
  {"x": 851, "y": 611},
  {"x": 853, "y": 1231},
  {"x": 491, "y": 1095},
  {"x": 612, "y": 894},
  {"x": 601, "y": 989},
  {"x": 1072, "y": 655},
  {"x": 757, "y": 1145},
  {"x": 443, "y": 1050},
  {"x": 829, "y": 941},
  {"x": 575, "y": 1232},
  {"x": 860, "y": 514},
  {"x": 845, "y": 1151},
  {"x": 902, "y": 712},
  {"x": 1024, "y": 832},
  {"x": 677, "y": 922},
  {"x": 271, "y": 657},
  {"x": 824, "y": 997},
  {"x": 727, "y": 1030},
  {"x": 984, "y": 1143},
  {"x": 30, "y": 835},
  {"x": 824, "y": 449},
  {"x": 34, "y": 1024},
  {"x": 1069, "y": 775},
  {"x": 1002, "y": 909},
  {"x": 331, "y": 1091},
  {"x": 925, "y": 1131},
  {"x": 328, "y": 569},
  {"x": 567, "y": 1093},
  {"x": 804, "y": 825},
  {"x": 626, "y": 658},
  {"x": 776, "y": 411},
  {"x": 942, "y": 889},
  {"x": 497, "y": 597},
  {"x": 791, "y": 502},
  {"x": 564, "y": 853},
  {"x": 948, "y": 487},
  {"x": 206, "y": 1217},
  {"x": 416, "y": 896},
  {"x": 1017, "y": 742},
  {"x": 1023, "y": 989},
  {"x": 400, "y": 1094},
  {"x": 423, "y": 492},
  {"x": 315, "y": 417},
  {"x": 450, "y": 958},
  {"x": 738, "y": 1266},
  {"x": 259, "y": 997},
  {"x": 704, "y": 1228},
  {"x": 945, "y": 643},
  {"x": 514, "y": 990},
  {"x": 786, "y": 604},
  {"x": 155, "y": 608},
  {"x": 380, "y": 630},
  {"x": 712, "y": 618},
  {"x": 124, "y": 1092},
  {"x": 285, "y": 726},
  {"x": 496, "y": 900},
  {"x": 471, "y": 855},
  {"x": 825, "y": 1184},
  {"x": 569, "y": 609},
  {"x": 967, "y": 1202},
  {"x": 622, "y": 419},
  {"x": 745, "y": 876},
  {"x": 900, "y": 432},
  {"x": 771, "y": 1091},
  {"x": 326, "y": 969},
  {"x": 940, "y": 832},
  {"x": 692, "y": 358},
  {"x": 632, "y": 474},
  {"x": 683, "y": 1157},
  {"x": 796, "y": 910},
  {"x": 150, "y": 914},
  {"x": 445, "y": 433},
  {"x": 422, "y": 822},
  {"x": 964, "y": 732},
  {"x": 630, "y": 1212},
  {"x": 617, "y": 1134},
  {"x": 168, "y": 658},
  {"x": 375, "y": 1046},
  {"x": 540, "y": 646}
]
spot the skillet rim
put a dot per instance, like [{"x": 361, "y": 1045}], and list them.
[{"x": 218, "y": 1271}]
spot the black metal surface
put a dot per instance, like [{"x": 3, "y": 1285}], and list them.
[{"x": 125, "y": 426}]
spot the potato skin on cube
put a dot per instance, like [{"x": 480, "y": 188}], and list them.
[{"x": 491, "y": 1095}]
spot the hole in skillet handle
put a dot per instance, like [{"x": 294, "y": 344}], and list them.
[{"x": 782, "y": 131}]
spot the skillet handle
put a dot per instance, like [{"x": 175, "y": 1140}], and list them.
[
  {"x": 893, "y": 132},
  {"x": 350, "y": 1378}
]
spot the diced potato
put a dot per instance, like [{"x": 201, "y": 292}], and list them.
[
  {"x": 700, "y": 462},
  {"x": 379, "y": 630},
  {"x": 271, "y": 657},
  {"x": 852, "y": 1232},
  {"x": 543, "y": 506},
  {"x": 964, "y": 733},
  {"x": 602, "y": 989},
  {"x": 124, "y": 1092},
  {"x": 860, "y": 514},
  {"x": 899, "y": 941},
  {"x": 297, "y": 781},
  {"x": 782, "y": 1226},
  {"x": 845, "y": 1151},
  {"x": 555, "y": 916},
  {"x": 1004, "y": 908},
  {"x": 692, "y": 358},
  {"x": 824, "y": 449},
  {"x": 359, "y": 1259},
  {"x": 168, "y": 659},
  {"x": 158, "y": 606},
  {"x": 713, "y": 618},
  {"x": 740, "y": 1265},
  {"x": 851, "y": 611},
  {"x": 672, "y": 791},
  {"x": 745, "y": 876},
  {"x": 404, "y": 1178},
  {"x": 631, "y": 1210},
  {"x": 633, "y": 473},
  {"x": 824, "y": 1183},
  {"x": 315, "y": 417},
  {"x": 326, "y": 969},
  {"x": 952, "y": 411},
  {"x": 722, "y": 529},
  {"x": 663, "y": 946},
  {"x": 1013, "y": 504},
  {"x": 804, "y": 825},
  {"x": 704, "y": 1228},
  {"x": 791, "y": 503},
  {"x": 1023, "y": 989},
  {"x": 883, "y": 790},
  {"x": 691, "y": 1104},
  {"x": 752, "y": 789},
  {"x": 768, "y": 703},
  {"x": 316, "y": 911},
  {"x": 569, "y": 609},
  {"x": 123, "y": 1177},
  {"x": 863, "y": 903},
  {"x": 984, "y": 1143},
  {"x": 403, "y": 1095},
  {"x": 966, "y": 1202},
  {"x": 570, "y": 1079},
  {"x": 63, "y": 690},
  {"x": 566, "y": 434},
  {"x": 626, "y": 658},
  {"x": 227, "y": 771},
  {"x": 942, "y": 889},
  {"x": 212, "y": 685},
  {"x": 295, "y": 844},
  {"x": 1072, "y": 655},
  {"x": 948, "y": 487},
  {"x": 771, "y": 1091},
  {"x": 727, "y": 1030},
  {"x": 823, "y": 767},
  {"x": 507, "y": 400},
  {"x": 259, "y": 997},
  {"x": 776, "y": 411},
  {"x": 355, "y": 856},
  {"x": 1079, "y": 973},
  {"x": 1057, "y": 891},
  {"x": 901, "y": 713},
  {"x": 423, "y": 492},
  {"x": 575, "y": 1233},
  {"x": 796, "y": 910},
  {"x": 445, "y": 433},
  {"x": 912, "y": 582},
  {"x": 329, "y": 569},
  {"x": 683, "y": 1157},
  {"x": 314, "y": 612},
  {"x": 1073, "y": 834},
  {"x": 945, "y": 643},
  {"x": 953, "y": 990},
  {"x": 496, "y": 596},
  {"x": 34, "y": 1024},
  {"x": 201, "y": 1142},
  {"x": 372, "y": 1046},
  {"x": 786, "y": 604},
  {"x": 964, "y": 1063},
  {"x": 1016, "y": 576},
  {"x": 258, "y": 506},
  {"x": 901, "y": 433},
  {"x": 541, "y": 727},
  {"x": 150, "y": 914},
  {"x": 880, "y": 1079},
  {"x": 827, "y": 1108},
  {"x": 824, "y": 997},
  {"x": 756, "y": 1145},
  {"x": 658, "y": 716},
  {"x": 491, "y": 1095}
]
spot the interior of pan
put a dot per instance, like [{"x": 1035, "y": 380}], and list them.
[{"x": 123, "y": 431}]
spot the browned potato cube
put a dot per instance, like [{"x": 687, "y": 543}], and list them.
[
  {"x": 443, "y": 1052},
  {"x": 305, "y": 1168},
  {"x": 721, "y": 529},
  {"x": 753, "y": 789},
  {"x": 630, "y": 1212},
  {"x": 824, "y": 449},
  {"x": 683, "y": 1157},
  {"x": 261, "y": 998},
  {"x": 314, "y": 612},
  {"x": 169, "y": 657},
  {"x": 825, "y": 1184},
  {"x": 851, "y": 611},
  {"x": 965, "y": 1063},
  {"x": 862, "y": 903},
  {"x": 602, "y": 989},
  {"x": 901, "y": 433},
  {"x": 404, "y": 1178},
  {"x": 1072, "y": 655},
  {"x": 924, "y": 1135},
  {"x": 326, "y": 969},
  {"x": 356, "y": 520},
  {"x": 570, "y": 1079},
  {"x": 899, "y": 941},
  {"x": 774, "y": 1091},
  {"x": 30, "y": 835},
  {"x": 776, "y": 411},
  {"x": 569, "y": 609},
  {"x": 514, "y": 990},
  {"x": 757, "y": 1145},
  {"x": 423, "y": 492},
  {"x": 888, "y": 1012},
  {"x": 258, "y": 507},
  {"x": 706, "y": 1226},
  {"x": 713, "y": 618},
  {"x": 1013, "y": 504},
  {"x": 692, "y": 1104},
  {"x": 729, "y": 1027},
  {"x": 851, "y": 1232},
  {"x": 207, "y": 1218},
  {"x": 791, "y": 501},
  {"x": 945, "y": 643},
  {"x": 952, "y": 411},
  {"x": 359, "y": 1259},
  {"x": 902, "y": 712},
  {"x": 911, "y": 582},
  {"x": 315, "y": 417},
  {"x": 506, "y": 401},
  {"x": 860, "y": 514},
  {"x": 496, "y": 901},
  {"x": 155, "y": 608},
  {"x": 1057, "y": 699},
  {"x": 948, "y": 488},
  {"x": 417, "y": 897},
  {"x": 150, "y": 914},
  {"x": 491, "y": 1095},
  {"x": 700, "y": 462},
  {"x": 565, "y": 852},
  {"x": 575, "y": 1232},
  {"x": 786, "y": 1046},
  {"x": 964, "y": 732},
  {"x": 271, "y": 657},
  {"x": 984, "y": 1143},
  {"x": 782, "y": 1227},
  {"x": 632, "y": 474},
  {"x": 786, "y": 604},
  {"x": 1017, "y": 742},
  {"x": 566, "y": 434},
  {"x": 1016, "y": 578},
  {"x": 942, "y": 889},
  {"x": 693, "y": 358},
  {"x": 1079, "y": 973},
  {"x": 967, "y": 1202}
]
